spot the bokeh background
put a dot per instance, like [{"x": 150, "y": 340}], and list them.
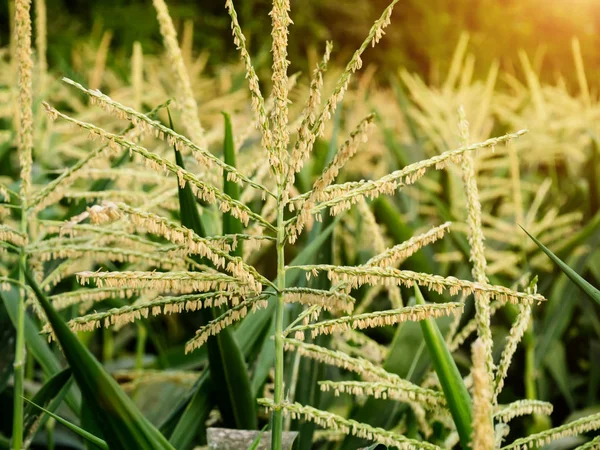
[{"x": 421, "y": 38}]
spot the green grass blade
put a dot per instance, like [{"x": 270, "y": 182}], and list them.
[
  {"x": 51, "y": 396},
  {"x": 455, "y": 391},
  {"x": 574, "y": 276},
  {"x": 122, "y": 423},
  {"x": 38, "y": 346},
  {"x": 80, "y": 431},
  {"x": 256, "y": 441},
  {"x": 231, "y": 225},
  {"x": 227, "y": 366},
  {"x": 195, "y": 413}
]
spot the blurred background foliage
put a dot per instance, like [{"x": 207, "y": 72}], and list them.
[{"x": 421, "y": 38}]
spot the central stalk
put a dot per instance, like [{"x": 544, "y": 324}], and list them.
[{"x": 277, "y": 424}]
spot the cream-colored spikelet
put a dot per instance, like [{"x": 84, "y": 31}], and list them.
[
  {"x": 177, "y": 234},
  {"x": 476, "y": 238},
  {"x": 301, "y": 152},
  {"x": 380, "y": 318},
  {"x": 306, "y": 140},
  {"x": 57, "y": 188},
  {"x": 161, "y": 305},
  {"x": 400, "y": 252},
  {"x": 505, "y": 413},
  {"x": 202, "y": 190},
  {"x": 404, "y": 392},
  {"x": 574, "y": 428},
  {"x": 516, "y": 334},
  {"x": 176, "y": 282},
  {"x": 148, "y": 125},
  {"x": 279, "y": 116},
  {"x": 25, "y": 93},
  {"x": 359, "y": 344},
  {"x": 328, "y": 300},
  {"x": 483, "y": 427},
  {"x": 346, "y": 151},
  {"x": 471, "y": 327},
  {"x": 348, "y": 426},
  {"x": 360, "y": 275},
  {"x": 366, "y": 369},
  {"x": 11, "y": 236},
  {"x": 185, "y": 94},
  {"x": 341, "y": 197},
  {"x": 64, "y": 300},
  {"x": 258, "y": 103},
  {"x": 231, "y": 315}
]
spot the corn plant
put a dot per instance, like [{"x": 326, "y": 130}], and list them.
[{"x": 172, "y": 266}]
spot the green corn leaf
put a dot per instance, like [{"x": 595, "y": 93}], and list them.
[
  {"x": 227, "y": 366},
  {"x": 256, "y": 441},
  {"x": 231, "y": 225},
  {"x": 195, "y": 413},
  {"x": 38, "y": 346},
  {"x": 575, "y": 278},
  {"x": 51, "y": 396},
  {"x": 455, "y": 391},
  {"x": 122, "y": 423},
  {"x": 80, "y": 431}
]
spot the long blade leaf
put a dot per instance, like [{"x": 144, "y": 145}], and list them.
[
  {"x": 80, "y": 431},
  {"x": 123, "y": 425},
  {"x": 455, "y": 391},
  {"x": 574, "y": 276},
  {"x": 50, "y": 396}
]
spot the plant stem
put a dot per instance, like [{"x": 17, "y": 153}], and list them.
[
  {"x": 277, "y": 424},
  {"x": 19, "y": 364}
]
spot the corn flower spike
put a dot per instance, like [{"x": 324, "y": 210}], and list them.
[
  {"x": 400, "y": 252},
  {"x": 365, "y": 347},
  {"x": 347, "y": 151},
  {"x": 201, "y": 189},
  {"x": 380, "y": 318},
  {"x": 64, "y": 300},
  {"x": 348, "y": 426},
  {"x": 185, "y": 93},
  {"x": 405, "y": 392},
  {"x": 258, "y": 102},
  {"x": 175, "y": 233},
  {"x": 146, "y": 124},
  {"x": 505, "y": 413},
  {"x": 305, "y": 142},
  {"x": 574, "y": 428},
  {"x": 7, "y": 234},
  {"x": 366, "y": 369},
  {"x": 483, "y": 427},
  {"x": 516, "y": 334},
  {"x": 594, "y": 444},
  {"x": 161, "y": 305},
  {"x": 177, "y": 282},
  {"x": 341, "y": 197},
  {"x": 299, "y": 153},
  {"x": 360, "y": 275},
  {"x": 280, "y": 19},
  {"x": 233, "y": 314},
  {"x": 328, "y": 300},
  {"x": 476, "y": 238}
]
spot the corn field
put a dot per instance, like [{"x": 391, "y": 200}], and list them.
[{"x": 246, "y": 257}]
